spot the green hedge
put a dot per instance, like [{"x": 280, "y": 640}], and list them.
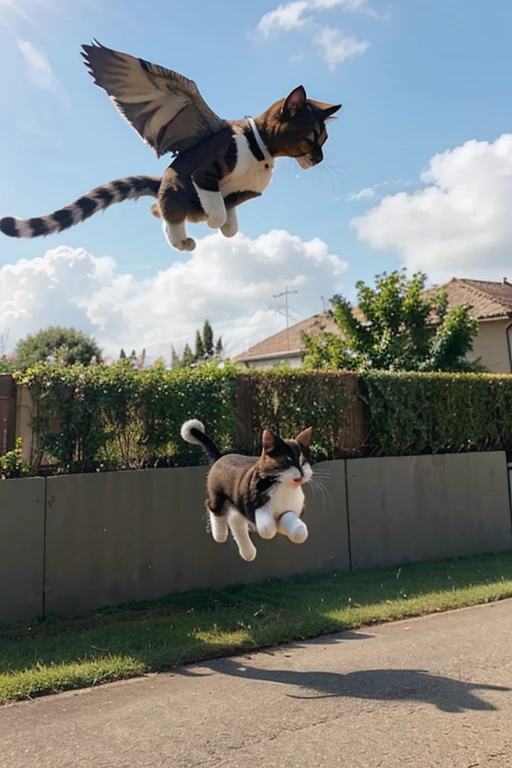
[
  {"x": 416, "y": 413},
  {"x": 100, "y": 418}
]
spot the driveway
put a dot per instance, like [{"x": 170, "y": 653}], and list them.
[{"x": 435, "y": 691}]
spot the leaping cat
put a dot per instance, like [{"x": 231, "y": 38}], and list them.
[
  {"x": 218, "y": 163},
  {"x": 260, "y": 493}
]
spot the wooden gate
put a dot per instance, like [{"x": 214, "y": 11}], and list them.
[{"x": 7, "y": 413}]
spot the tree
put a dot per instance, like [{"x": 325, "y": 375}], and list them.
[
  {"x": 188, "y": 357},
  {"x": 208, "y": 339},
  {"x": 206, "y": 349},
  {"x": 397, "y": 327},
  {"x": 66, "y": 345},
  {"x": 199, "y": 352}
]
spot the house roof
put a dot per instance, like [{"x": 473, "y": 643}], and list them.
[
  {"x": 488, "y": 301},
  {"x": 287, "y": 343}
]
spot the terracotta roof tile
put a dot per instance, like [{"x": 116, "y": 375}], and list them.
[{"x": 487, "y": 299}]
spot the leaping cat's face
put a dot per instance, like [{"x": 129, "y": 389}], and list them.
[
  {"x": 288, "y": 460},
  {"x": 295, "y": 127}
]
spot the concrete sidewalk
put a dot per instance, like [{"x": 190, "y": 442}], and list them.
[{"x": 435, "y": 691}]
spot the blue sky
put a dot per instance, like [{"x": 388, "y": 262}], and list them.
[{"x": 416, "y": 79}]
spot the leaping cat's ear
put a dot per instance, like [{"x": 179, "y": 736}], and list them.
[
  {"x": 269, "y": 441},
  {"x": 293, "y": 102},
  {"x": 305, "y": 437}
]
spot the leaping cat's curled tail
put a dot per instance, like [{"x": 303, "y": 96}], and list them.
[
  {"x": 193, "y": 432},
  {"x": 130, "y": 188}
]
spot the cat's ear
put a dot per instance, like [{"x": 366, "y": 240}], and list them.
[
  {"x": 293, "y": 102},
  {"x": 328, "y": 112},
  {"x": 305, "y": 437},
  {"x": 269, "y": 441}
]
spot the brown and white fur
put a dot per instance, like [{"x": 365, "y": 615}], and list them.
[
  {"x": 209, "y": 181},
  {"x": 262, "y": 493}
]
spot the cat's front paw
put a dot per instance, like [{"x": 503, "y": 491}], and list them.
[
  {"x": 229, "y": 229},
  {"x": 247, "y": 552},
  {"x": 265, "y": 523},
  {"x": 300, "y": 534},
  {"x": 216, "y": 221},
  {"x": 291, "y": 525}
]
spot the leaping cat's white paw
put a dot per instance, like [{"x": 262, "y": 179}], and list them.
[
  {"x": 291, "y": 525},
  {"x": 265, "y": 523},
  {"x": 230, "y": 228},
  {"x": 219, "y": 526},
  {"x": 248, "y": 553}
]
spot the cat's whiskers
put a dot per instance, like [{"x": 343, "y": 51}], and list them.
[
  {"x": 318, "y": 485},
  {"x": 323, "y": 473}
]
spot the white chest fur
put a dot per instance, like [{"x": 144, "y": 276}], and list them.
[
  {"x": 249, "y": 174},
  {"x": 287, "y": 498}
]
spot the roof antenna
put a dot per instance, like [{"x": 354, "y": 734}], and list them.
[{"x": 285, "y": 293}]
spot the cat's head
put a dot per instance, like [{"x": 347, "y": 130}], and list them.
[
  {"x": 288, "y": 460},
  {"x": 295, "y": 127}
]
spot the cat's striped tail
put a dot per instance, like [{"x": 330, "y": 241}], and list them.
[
  {"x": 193, "y": 432},
  {"x": 130, "y": 188}
]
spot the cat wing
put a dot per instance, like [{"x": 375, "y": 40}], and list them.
[{"x": 165, "y": 108}]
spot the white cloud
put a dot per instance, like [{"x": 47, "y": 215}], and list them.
[
  {"x": 365, "y": 194},
  {"x": 296, "y": 57},
  {"x": 349, "y": 6},
  {"x": 459, "y": 223},
  {"x": 284, "y": 17},
  {"x": 335, "y": 46},
  {"x": 230, "y": 282},
  {"x": 38, "y": 67},
  {"x": 295, "y": 14}
]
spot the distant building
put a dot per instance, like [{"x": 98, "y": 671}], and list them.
[{"x": 491, "y": 304}]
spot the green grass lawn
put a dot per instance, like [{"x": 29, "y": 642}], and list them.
[{"x": 112, "y": 644}]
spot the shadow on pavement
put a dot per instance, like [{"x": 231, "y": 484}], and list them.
[{"x": 445, "y": 693}]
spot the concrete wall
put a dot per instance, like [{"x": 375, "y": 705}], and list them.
[
  {"x": 491, "y": 345},
  {"x": 21, "y": 548},
  {"x": 123, "y": 536},
  {"x": 419, "y": 508},
  {"x": 109, "y": 538}
]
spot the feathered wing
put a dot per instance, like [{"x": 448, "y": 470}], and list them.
[{"x": 165, "y": 108}]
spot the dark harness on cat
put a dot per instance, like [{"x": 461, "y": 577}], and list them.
[{"x": 260, "y": 150}]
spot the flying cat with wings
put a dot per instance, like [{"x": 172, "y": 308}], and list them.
[{"x": 218, "y": 163}]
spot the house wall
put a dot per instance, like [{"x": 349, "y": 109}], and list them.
[
  {"x": 267, "y": 365},
  {"x": 491, "y": 345}
]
